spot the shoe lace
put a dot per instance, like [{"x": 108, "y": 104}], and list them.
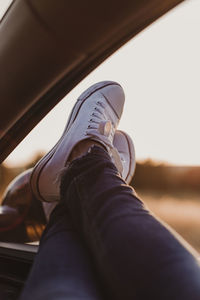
[{"x": 99, "y": 125}]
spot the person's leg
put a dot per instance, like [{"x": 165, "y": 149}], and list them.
[
  {"x": 62, "y": 269},
  {"x": 135, "y": 254}
]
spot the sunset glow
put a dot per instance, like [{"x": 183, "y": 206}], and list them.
[{"x": 159, "y": 71}]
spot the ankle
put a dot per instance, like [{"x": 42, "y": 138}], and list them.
[{"x": 82, "y": 148}]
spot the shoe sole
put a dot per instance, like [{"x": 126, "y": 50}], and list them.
[
  {"x": 34, "y": 179},
  {"x": 132, "y": 163}
]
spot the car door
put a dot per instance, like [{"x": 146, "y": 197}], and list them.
[{"x": 15, "y": 261}]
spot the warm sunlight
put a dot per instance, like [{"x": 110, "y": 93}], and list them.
[{"x": 159, "y": 70}]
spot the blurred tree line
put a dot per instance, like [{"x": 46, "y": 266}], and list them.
[
  {"x": 148, "y": 176},
  {"x": 161, "y": 177}
]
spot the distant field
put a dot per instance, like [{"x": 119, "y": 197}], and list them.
[{"x": 180, "y": 210}]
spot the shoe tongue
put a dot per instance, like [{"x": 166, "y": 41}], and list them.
[{"x": 105, "y": 128}]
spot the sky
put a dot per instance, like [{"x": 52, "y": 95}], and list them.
[{"x": 159, "y": 70}]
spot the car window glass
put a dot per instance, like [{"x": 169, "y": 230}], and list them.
[{"x": 159, "y": 71}]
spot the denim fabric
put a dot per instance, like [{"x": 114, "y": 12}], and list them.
[
  {"x": 135, "y": 255},
  {"x": 62, "y": 268}
]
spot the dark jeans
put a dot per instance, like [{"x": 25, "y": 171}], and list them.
[{"x": 101, "y": 242}]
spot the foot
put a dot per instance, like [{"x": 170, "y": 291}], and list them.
[
  {"x": 125, "y": 147},
  {"x": 95, "y": 116},
  {"x": 123, "y": 143}
]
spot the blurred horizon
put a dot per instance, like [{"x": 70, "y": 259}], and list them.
[{"x": 149, "y": 175}]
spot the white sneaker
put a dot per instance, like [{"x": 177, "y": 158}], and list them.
[
  {"x": 95, "y": 116},
  {"x": 124, "y": 145}
]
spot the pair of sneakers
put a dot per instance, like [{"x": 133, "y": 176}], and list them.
[{"x": 95, "y": 116}]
